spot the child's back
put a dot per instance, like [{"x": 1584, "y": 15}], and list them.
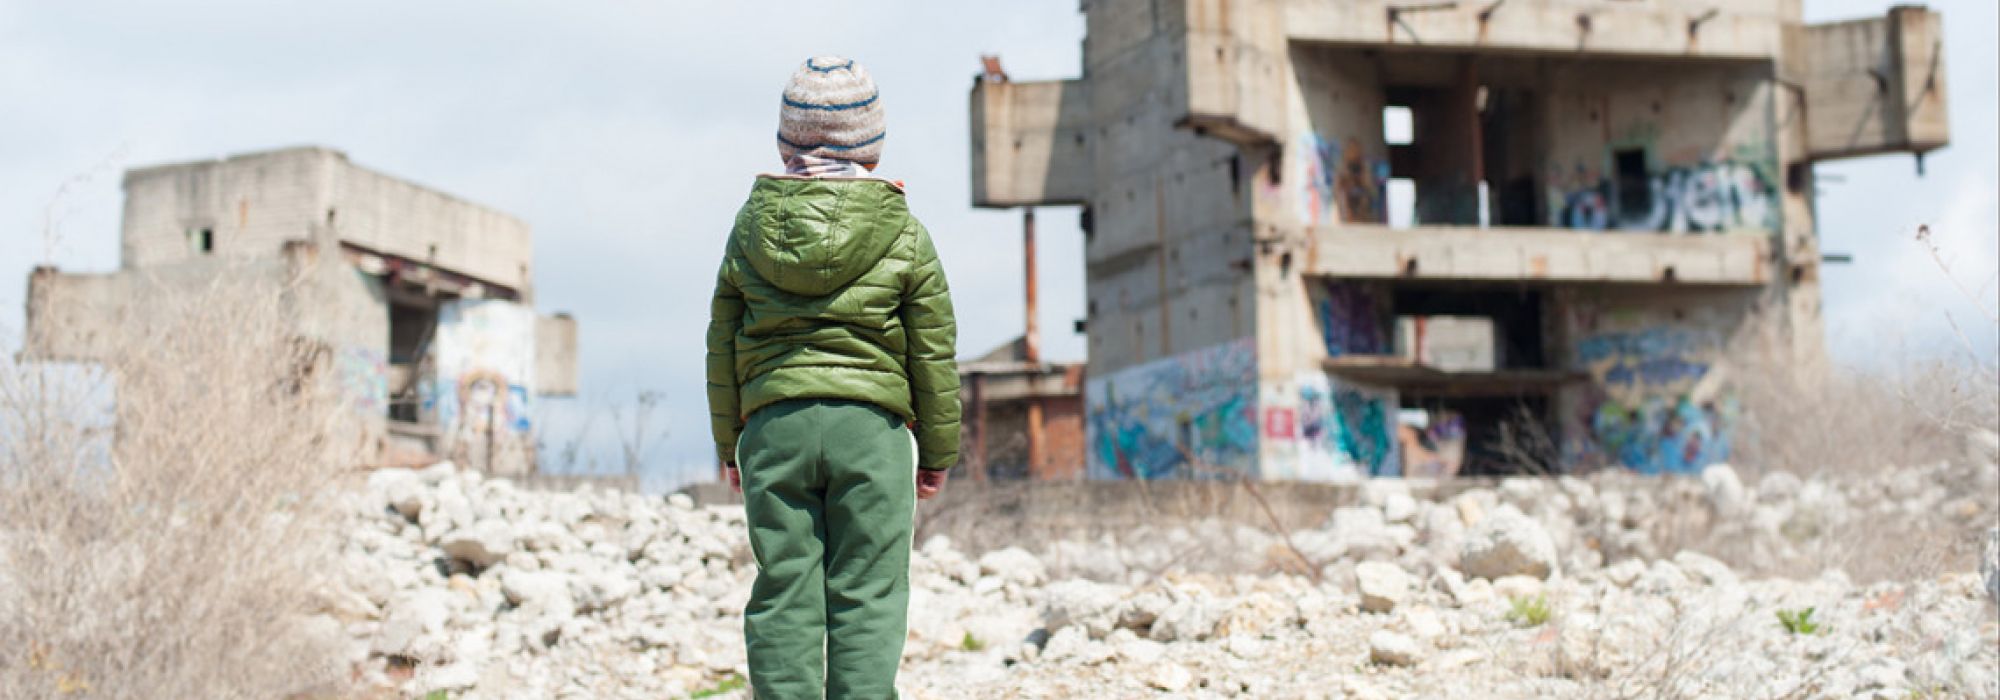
[{"x": 833, "y": 391}]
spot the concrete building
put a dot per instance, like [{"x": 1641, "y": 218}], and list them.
[
  {"x": 1323, "y": 240},
  {"x": 421, "y": 301}
]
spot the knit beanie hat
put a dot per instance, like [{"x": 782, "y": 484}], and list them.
[{"x": 831, "y": 109}]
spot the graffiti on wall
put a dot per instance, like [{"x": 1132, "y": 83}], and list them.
[
  {"x": 363, "y": 379},
  {"x": 485, "y": 357},
  {"x": 1145, "y": 421},
  {"x": 1700, "y": 198},
  {"x": 1652, "y": 408},
  {"x": 1346, "y": 431},
  {"x": 1353, "y": 319},
  {"x": 1338, "y": 182}
]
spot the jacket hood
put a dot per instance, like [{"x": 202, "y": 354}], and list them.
[{"x": 813, "y": 236}]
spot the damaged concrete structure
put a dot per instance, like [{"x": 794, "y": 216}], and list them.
[
  {"x": 421, "y": 302},
  {"x": 1329, "y": 240}
]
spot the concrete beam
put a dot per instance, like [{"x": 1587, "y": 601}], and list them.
[
  {"x": 555, "y": 355},
  {"x": 1750, "y": 29},
  {"x": 1875, "y": 85},
  {"x": 1537, "y": 254},
  {"x": 1029, "y": 143},
  {"x": 1235, "y": 56}
]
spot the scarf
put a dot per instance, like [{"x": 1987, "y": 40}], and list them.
[{"x": 815, "y": 166}]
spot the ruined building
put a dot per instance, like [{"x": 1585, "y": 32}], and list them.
[
  {"x": 421, "y": 301},
  {"x": 1325, "y": 240},
  {"x": 1023, "y": 416}
]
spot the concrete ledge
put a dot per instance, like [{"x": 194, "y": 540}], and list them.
[
  {"x": 1544, "y": 254},
  {"x": 1748, "y": 29},
  {"x": 1030, "y": 144}
]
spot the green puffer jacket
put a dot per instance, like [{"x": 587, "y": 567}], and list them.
[{"x": 831, "y": 289}]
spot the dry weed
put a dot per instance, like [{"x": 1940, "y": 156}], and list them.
[{"x": 161, "y": 512}]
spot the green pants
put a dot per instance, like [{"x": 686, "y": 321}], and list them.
[{"x": 829, "y": 490}]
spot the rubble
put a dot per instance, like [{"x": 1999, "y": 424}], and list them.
[{"x": 475, "y": 587}]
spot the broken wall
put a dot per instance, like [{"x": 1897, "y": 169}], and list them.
[{"x": 482, "y": 394}]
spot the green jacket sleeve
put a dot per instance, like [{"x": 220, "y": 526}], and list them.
[
  {"x": 725, "y": 321},
  {"x": 932, "y": 360}
]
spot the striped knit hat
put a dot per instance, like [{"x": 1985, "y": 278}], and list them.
[{"x": 831, "y": 110}]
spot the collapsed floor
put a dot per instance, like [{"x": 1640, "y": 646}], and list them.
[{"x": 1532, "y": 588}]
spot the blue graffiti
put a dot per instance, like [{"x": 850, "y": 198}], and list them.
[{"x": 1145, "y": 422}]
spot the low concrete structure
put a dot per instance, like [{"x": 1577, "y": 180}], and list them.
[
  {"x": 1023, "y": 417},
  {"x": 1268, "y": 186},
  {"x": 422, "y": 301}
]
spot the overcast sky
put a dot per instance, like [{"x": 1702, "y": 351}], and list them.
[{"x": 626, "y": 134}]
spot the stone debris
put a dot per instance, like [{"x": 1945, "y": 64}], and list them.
[
  {"x": 1382, "y": 585},
  {"x": 1527, "y": 588},
  {"x": 1507, "y": 543},
  {"x": 1392, "y": 649}
]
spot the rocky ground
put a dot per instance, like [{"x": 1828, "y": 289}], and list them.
[{"x": 1610, "y": 586}]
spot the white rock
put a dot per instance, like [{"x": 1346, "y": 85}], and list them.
[
  {"x": 1507, "y": 543},
  {"x": 660, "y": 576},
  {"x": 1725, "y": 491},
  {"x": 544, "y": 591},
  {"x": 1014, "y": 565},
  {"x": 1140, "y": 652},
  {"x": 1399, "y": 507},
  {"x": 437, "y": 473},
  {"x": 1087, "y": 604},
  {"x": 1662, "y": 578},
  {"x": 1423, "y": 622},
  {"x": 412, "y": 622},
  {"x": 1705, "y": 569},
  {"x": 481, "y": 545},
  {"x": 1623, "y": 573},
  {"x": 1170, "y": 677},
  {"x": 1186, "y": 620},
  {"x": 1382, "y": 585},
  {"x": 1392, "y": 649},
  {"x": 402, "y": 489}
]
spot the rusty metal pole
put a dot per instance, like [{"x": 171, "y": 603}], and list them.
[
  {"x": 1031, "y": 342},
  {"x": 978, "y": 456},
  {"x": 1033, "y": 338}
]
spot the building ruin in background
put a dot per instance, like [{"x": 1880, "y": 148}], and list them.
[
  {"x": 1599, "y": 193},
  {"x": 422, "y": 302}
]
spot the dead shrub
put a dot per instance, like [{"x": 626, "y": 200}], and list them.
[{"x": 162, "y": 520}]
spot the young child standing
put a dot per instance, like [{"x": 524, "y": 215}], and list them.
[{"x": 833, "y": 393}]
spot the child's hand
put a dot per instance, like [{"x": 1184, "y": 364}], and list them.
[
  {"x": 930, "y": 482},
  {"x": 735, "y": 477}
]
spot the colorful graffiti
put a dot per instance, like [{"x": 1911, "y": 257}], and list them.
[
  {"x": 1353, "y": 319},
  {"x": 1651, "y": 411},
  {"x": 1146, "y": 421},
  {"x": 1346, "y": 431},
  {"x": 485, "y": 357},
  {"x": 363, "y": 379},
  {"x": 1708, "y": 197},
  {"x": 1338, "y": 181},
  {"x": 1364, "y": 432}
]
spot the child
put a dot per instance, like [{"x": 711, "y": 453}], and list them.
[{"x": 833, "y": 393}]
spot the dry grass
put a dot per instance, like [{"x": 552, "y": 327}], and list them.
[
  {"x": 169, "y": 547},
  {"x": 1810, "y": 417}
]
